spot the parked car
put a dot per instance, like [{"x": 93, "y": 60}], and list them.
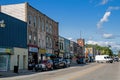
[
  {"x": 103, "y": 58},
  {"x": 58, "y": 63},
  {"x": 40, "y": 67},
  {"x": 67, "y": 62},
  {"x": 80, "y": 60},
  {"x": 44, "y": 65},
  {"x": 116, "y": 59},
  {"x": 49, "y": 64}
]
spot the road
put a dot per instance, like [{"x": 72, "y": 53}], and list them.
[{"x": 92, "y": 71}]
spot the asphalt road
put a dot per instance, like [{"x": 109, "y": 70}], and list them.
[
  {"x": 92, "y": 71},
  {"x": 107, "y": 72}
]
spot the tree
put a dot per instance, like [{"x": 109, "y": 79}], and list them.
[
  {"x": 119, "y": 54},
  {"x": 103, "y": 50}
]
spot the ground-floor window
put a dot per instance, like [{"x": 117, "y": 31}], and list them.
[{"x": 4, "y": 62}]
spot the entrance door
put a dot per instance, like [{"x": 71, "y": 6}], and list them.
[
  {"x": 3, "y": 62},
  {"x": 24, "y": 61}
]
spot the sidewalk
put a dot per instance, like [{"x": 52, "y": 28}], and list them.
[
  {"x": 12, "y": 74},
  {"x": 28, "y": 72}
]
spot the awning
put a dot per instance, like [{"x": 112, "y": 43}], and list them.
[{"x": 49, "y": 54}]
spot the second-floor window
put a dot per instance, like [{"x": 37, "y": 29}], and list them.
[
  {"x": 34, "y": 39},
  {"x": 30, "y": 38},
  {"x": 29, "y": 19},
  {"x": 34, "y": 21},
  {"x": 42, "y": 26}
]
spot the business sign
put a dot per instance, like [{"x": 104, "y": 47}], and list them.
[
  {"x": 2, "y": 23},
  {"x": 5, "y": 50},
  {"x": 42, "y": 51},
  {"x": 33, "y": 49}
]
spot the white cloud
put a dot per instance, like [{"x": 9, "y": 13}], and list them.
[
  {"x": 108, "y": 36},
  {"x": 71, "y": 39},
  {"x": 106, "y": 16},
  {"x": 104, "y": 19},
  {"x": 104, "y": 2},
  {"x": 101, "y": 43},
  {"x": 111, "y": 8}
]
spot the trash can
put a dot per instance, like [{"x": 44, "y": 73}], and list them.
[{"x": 15, "y": 69}]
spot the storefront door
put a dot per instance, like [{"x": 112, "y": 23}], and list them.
[{"x": 3, "y": 62}]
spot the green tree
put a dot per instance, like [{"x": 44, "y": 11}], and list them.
[
  {"x": 103, "y": 50},
  {"x": 119, "y": 54}
]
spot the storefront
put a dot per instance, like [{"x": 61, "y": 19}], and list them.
[
  {"x": 5, "y": 59},
  {"x": 42, "y": 54},
  {"x": 32, "y": 57}
]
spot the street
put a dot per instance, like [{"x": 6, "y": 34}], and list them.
[{"x": 90, "y": 71}]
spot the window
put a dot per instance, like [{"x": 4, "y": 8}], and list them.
[
  {"x": 47, "y": 29},
  {"x": 43, "y": 46},
  {"x": 60, "y": 45},
  {"x": 34, "y": 39},
  {"x": 39, "y": 22},
  {"x": 50, "y": 28},
  {"x": 35, "y": 21},
  {"x": 47, "y": 45},
  {"x": 30, "y": 37},
  {"x": 42, "y": 26},
  {"x": 29, "y": 19},
  {"x": 50, "y": 43}
]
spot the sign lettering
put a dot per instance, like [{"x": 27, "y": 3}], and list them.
[{"x": 2, "y": 23}]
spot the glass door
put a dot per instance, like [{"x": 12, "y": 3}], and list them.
[{"x": 3, "y": 62}]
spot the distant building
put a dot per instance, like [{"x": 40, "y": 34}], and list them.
[
  {"x": 81, "y": 42},
  {"x": 61, "y": 46},
  {"x": 90, "y": 53},
  {"x": 67, "y": 48},
  {"x": 71, "y": 48}
]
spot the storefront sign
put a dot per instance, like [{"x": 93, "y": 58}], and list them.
[
  {"x": 2, "y": 23},
  {"x": 5, "y": 50},
  {"x": 33, "y": 49},
  {"x": 42, "y": 51}
]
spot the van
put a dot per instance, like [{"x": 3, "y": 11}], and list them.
[{"x": 103, "y": 59}]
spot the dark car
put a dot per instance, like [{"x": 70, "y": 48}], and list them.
[
  {"x": 44, "y": 65},
  {"x": 67, "y": 62},
  {"x": 58, "y": 63},
  {"x": 116, "y": 59},
  {"x": 49, "y": 64},
  {"x": 40, "y": 66},
  {"x": 80, "y": 60}
]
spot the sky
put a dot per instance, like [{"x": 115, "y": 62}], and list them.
[{"x": 97, "y": 21}]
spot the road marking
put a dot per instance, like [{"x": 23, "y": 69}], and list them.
[{"x": 78, "y": 74}]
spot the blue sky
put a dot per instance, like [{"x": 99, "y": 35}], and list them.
[{"x": 98, "y": 21}]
